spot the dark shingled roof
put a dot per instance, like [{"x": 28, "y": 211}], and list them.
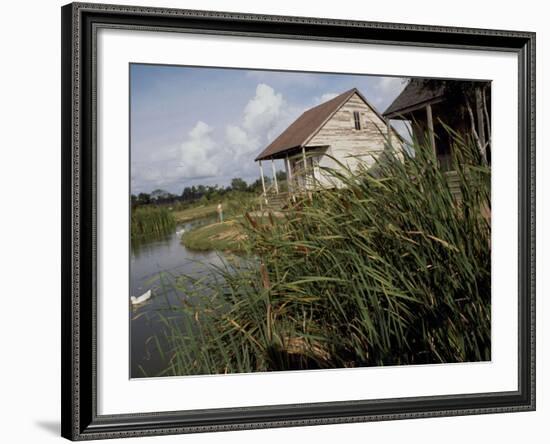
[
  {"x": 414, "y": 94},
  {"x": 299, "y": 132}
]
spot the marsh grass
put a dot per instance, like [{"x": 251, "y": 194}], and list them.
[
  {"x": 151, "y": 220},
  {"x": 219, "y": 236},
  {"x": 233, "y": 204},
  {"x": 389, "y": 269},
  {"x": 222, "y": 236}
]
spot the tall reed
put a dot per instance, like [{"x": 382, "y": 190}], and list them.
[
  {"x": 150, "y": 221},
  {"x": 390, "y": 268}
]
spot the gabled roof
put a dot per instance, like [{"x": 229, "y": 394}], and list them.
[
  {"x": 305, "y": 126},
  {"x": 415, "y": 95}
]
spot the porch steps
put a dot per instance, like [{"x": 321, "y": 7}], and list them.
[{"x": 275, "y": 201}]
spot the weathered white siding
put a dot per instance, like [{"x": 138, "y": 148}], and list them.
[{"x": 348, "y": 145}]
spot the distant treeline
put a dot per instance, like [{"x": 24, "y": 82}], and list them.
[{"x": 197, "y": 193}]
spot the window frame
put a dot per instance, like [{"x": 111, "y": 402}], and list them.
[{"x": 357, "y": 120}]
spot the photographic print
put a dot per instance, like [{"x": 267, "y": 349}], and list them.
[
  {"x": 274, "y": 221},
  {"x": 298, "y": 221}
]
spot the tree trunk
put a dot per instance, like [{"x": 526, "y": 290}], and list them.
[
  {"x": 487, "y": 118},
  {"x": 480, "y": 118},
  {"x": 480, "y": 146}
]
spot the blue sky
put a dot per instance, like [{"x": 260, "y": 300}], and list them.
[{"x": 192, "y": 125}]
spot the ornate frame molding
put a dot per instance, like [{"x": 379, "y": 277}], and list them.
[{"x": 79, "y": 395}]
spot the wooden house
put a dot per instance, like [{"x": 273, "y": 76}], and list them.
[
  {"x": 346, "y": 130},
  {"x": 430, "y": 105}
]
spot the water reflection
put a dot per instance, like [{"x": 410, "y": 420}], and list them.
[{"x": 163, "y": 256}]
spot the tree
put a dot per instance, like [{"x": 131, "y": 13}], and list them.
[
  {"x": 143, "y": 199},
  {"x": 212, "y": 192},
  {"x": 160, "y": 195},
  {"x": 256, "y": 186},
  {"x": 239, "y": 184},
  {"x": 201, "y": 191},
  {"x": 280, "y": 175},
  {"x": 187, "y": 194}
]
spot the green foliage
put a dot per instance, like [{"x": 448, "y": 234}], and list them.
[
  {"x": 238, "y": 184},
  {"x": 220, "y": 236},
  {"x": 256, "y": 186},
  {"x": 160, "y": 195},
  {"x": 150, "y": 221},
  {"x": 391, "y": 268},
  {"x": 143, "y": 199}
]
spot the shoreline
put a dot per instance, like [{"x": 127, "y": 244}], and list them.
[{"x": 218, "y": 236}]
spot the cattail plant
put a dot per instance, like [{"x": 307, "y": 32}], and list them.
[{"x": 392, "y": 268}]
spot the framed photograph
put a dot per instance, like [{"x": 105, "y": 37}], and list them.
[{"x": 279, "y": 221}]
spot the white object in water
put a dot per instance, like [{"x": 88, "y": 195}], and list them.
[
  {"x": 179, "y": 233},
  {"x": 141, "y": 299}
]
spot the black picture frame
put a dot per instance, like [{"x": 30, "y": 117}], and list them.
[{"x": 80, "y": 22}]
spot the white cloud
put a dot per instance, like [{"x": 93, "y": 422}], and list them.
[
  {"x": 197, "y": 156},
  {"x": 263, "y": 110},
  {"x": 198, "y": 153},
  {"x": 239, "y": 140},
  {"x": 324, "y": 97},
  {"x": 211, "y": 154},
  {"x": 208, "y": 154},
  {"x": 264, "y": 117}
]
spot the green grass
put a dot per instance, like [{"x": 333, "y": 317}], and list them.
[
  {"x": 225, "y": 236},
  {"x": 233, "y": 205},
  {"x": 150, "y": 221},
  {"x": 220, "y": 236},
  {"x": 193, "y": 213},
  {"x": 390, "y": 269}
]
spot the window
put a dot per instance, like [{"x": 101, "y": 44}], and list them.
[{"x": 357, "y": 120}]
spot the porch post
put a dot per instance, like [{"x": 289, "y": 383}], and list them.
[
  {"x": 262, "y": 176},
  {"x": 305, "y": 166},
  {"x": 289, "y": 179},
  {"x": 288, "y": 175},
  {"x": 274, "y": 176},
  {"x": 431, "y": 128},
  {"x": 305, "y": 172},
  {"x": 388, "y": 129}
]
